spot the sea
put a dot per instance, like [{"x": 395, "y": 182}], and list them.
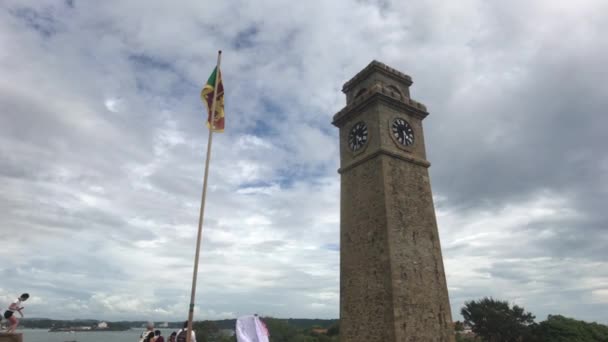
[{"x": 43, "y": 335}]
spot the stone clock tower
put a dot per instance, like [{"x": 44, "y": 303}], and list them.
[{"x": 392, "y": 282}]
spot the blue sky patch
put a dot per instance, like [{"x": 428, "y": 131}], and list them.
[
  {"x": 331, "y": 247},
  {"x": 245, "y": 38},
  {"x": 40, "y": 21},
  {"x": 147, "y": 61}
]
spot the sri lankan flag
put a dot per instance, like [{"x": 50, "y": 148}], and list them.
[{"x": 207, "y": 97}]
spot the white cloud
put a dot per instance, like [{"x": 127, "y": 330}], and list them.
[
  {"x": 114, "y": 105},
  {"x": 102, "y": 143}
]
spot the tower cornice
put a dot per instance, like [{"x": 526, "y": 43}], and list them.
[
  {"x": 380, "y": 67},
  {"x": 379, "y": 93}
]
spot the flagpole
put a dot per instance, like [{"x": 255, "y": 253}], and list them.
[{"x": 203, "y": 197}]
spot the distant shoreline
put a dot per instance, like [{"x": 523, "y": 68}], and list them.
[{"x": 86, "y": 330}]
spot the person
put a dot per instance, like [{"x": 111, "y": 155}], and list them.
[
  {"x": 149, "y": 329},
  {"x": 183, "y": 333},
  {"x": 251, "y": 328},
  {"x": 158, "y": 337},
  {"x": 10, "y": 312},
  {"x": 149, "y": 337},
  {"x": 172, "y": 336}
]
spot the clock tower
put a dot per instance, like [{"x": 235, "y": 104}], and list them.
[{"x": 392, "y": 281}]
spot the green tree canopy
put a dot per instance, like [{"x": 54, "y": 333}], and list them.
[
  {"x": 205, "y": 330},
  {"x": 334, "y": 329},
  {"x": 562, "y": 329},
  {"x": 497, "y": 321},
  {"x": 280, "y": 330}
]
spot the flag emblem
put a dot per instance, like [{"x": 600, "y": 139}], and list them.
[{"x": 207, "y": 96}]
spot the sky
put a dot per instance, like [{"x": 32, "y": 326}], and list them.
[{"x": 103, "y": 140}]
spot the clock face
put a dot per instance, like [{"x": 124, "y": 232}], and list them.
[
  {"x": 357, "y": 136},
  {"x": 403, "y": 132}
]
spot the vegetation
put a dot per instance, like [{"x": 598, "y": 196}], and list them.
[
  {"x": 209, "y": 331},
  {"x": 562, "y": 329},
  {"x": 495, "y": 320},
  {"x": 485, "y": 320},
  {"x": 281, "y": 330},
  {"x": 492, "y": 320},
  {"x": 297, "y": 331}
]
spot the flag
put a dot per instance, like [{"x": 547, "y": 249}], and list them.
[{"x": 207, "y": 97}]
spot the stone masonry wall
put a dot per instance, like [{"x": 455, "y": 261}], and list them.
[
  {"x": 392, "y": 280},
  {"x": 420, "y": 296},
  {"x": 11, "y": 337},
  {"x": 365, "y": 282}
]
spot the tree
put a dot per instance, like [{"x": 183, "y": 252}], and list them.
[
  {"x": 461, "y": 338},
  {"x": 222, "y": 338},
  {"x": 562, "y": 329},
  {"x": 458, "y": 326},
  {"x": 280, "y": 330},
  {"x": 496, "y": 321},
  {"x": 205, "y": 330},
  {"x": 334, "y": 329}
]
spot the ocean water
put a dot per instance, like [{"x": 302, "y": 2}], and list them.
[{"x": 41, "y": 335}]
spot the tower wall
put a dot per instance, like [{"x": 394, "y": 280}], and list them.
[
  {"x": 365, "y": 284},
  {"x": 17, "y": 337},
  {"x": 419, "y": 291},
  {"x": 392, "y": 281}
]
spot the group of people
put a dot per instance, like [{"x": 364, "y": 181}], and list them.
[
  {"x": 151, "y": 335},
  {"x": 248, "y": 328},
  {"x": 9, "y": 314}
]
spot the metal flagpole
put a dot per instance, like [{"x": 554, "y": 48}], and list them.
[{"x": 204, "y": 195}]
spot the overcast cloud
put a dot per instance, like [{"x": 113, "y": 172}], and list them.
[{"x": 102, "y": 142}]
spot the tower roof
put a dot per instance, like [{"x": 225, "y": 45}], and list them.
[{"x": 376, "y": 66}]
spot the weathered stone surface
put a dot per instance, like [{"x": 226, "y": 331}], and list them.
[
  {"x": 11, "y": 337},
  {"x": 392, "y": 281}
]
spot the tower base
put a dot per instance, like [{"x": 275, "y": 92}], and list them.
[{"x": 15, "y": 337}]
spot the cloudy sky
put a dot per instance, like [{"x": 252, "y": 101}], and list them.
[{"x": 102, "y": 147}]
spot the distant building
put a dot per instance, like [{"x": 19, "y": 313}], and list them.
[
  {"x": 164, "y": 325},
  {"x": 102, "y": 325},
  {"x": 319, "y": 331}
]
